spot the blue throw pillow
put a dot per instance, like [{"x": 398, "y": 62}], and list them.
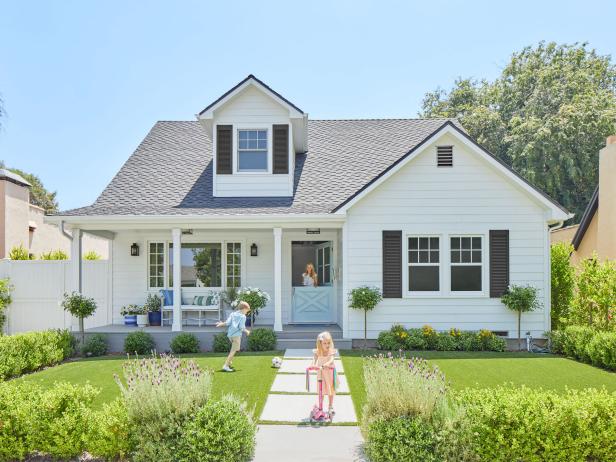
[{"x": 167, "y": 297}]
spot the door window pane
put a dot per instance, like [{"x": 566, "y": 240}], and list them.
[
  {"x": 234, "y": 266},
  {"x": 156, "y": 256}
]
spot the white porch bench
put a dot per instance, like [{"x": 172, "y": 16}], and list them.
[{"x": 198, "y": 312}]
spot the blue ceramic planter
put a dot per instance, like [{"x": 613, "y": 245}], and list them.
[
  {"x": 130, "y": 320},
  {"x": 154, "y": 318}
]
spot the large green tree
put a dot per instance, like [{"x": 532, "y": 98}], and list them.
[
  {"x": 39, "y": 195},
  {"x": 546, "y": 115}
]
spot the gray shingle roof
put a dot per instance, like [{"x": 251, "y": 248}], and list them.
[{"x": 170, "y": 173}]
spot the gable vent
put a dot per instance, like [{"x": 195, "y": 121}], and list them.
[{"x": 444, "y": 156}]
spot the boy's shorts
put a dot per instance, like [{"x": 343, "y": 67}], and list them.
[{"x": 235, "y": 344}]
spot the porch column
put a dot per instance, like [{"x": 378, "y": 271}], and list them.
[
  {"x": 278, "y": 279},
  {"x": 176, "y": 234},
  {"x": 344, "y": 277},
  {"x": 76, "y": 265}
]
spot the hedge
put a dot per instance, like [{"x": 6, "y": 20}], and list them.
[
  {"x": 534, "y": 425},
  {"x": 427, "y": 338},
  {"x": 586, "y": 344},
  {"x": 28, "y": 352}
]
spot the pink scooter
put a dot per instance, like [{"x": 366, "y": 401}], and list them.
[{"x": 317, "y": 414}]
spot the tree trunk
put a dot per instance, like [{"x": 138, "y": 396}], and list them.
[
  {"x": 519, "y": 331},
  {"x": 365, "y": 329},
  {"x": 81, "y": 330}
]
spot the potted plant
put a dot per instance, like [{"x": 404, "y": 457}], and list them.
[
  {"x": 152, "y": 305},
  {"x": 255, "y": 297},
  {"x": 130, "y": 313}
]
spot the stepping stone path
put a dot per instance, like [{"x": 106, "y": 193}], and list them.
[{"x": 286, "y": 433}]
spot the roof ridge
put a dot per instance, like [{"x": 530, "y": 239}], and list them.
[{"x": 383, "y": 118}]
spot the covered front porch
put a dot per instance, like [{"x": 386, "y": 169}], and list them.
[{"x": 216, "y": 257}]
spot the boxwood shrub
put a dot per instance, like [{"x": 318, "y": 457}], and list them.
[
  {"x": 22, "y": 353},
  {"x": 401, "y": 438},
  {"x": 520, "y": 423},
  {"x": 262, "y": 340},
  {"x": 221, "y": 431},
  {"x": 586, "y": 344},
  {"x": 426, "y": 338},
  {"x": 139, "y": 342},
  {"x": 221, "y": 343},
  {"x": 185, "y": 343},
  {"x": 96, "y": 345}
]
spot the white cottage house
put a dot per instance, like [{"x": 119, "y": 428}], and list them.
[{"x": 253, "y": 190}]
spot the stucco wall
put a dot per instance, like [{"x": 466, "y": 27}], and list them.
[{"x": 14, "y": 213}]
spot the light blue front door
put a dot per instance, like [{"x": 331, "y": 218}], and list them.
[
  {"x": 316, "y": 304},
  {"x": 313, "y": 304}
]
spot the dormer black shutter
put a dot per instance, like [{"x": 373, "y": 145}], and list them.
[
  {"x": 392, "y": 264},
  {"x": 281, "y": 149},
  {"x": 224, "y": 149},
  {"x": 499, "y": 262}
]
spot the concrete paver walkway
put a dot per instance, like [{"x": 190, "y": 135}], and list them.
[{"x": 289, "y": 403}]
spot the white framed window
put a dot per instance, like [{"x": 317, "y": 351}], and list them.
[
  {"x": 424, "y": 260},
  {"x": 466, "y": 261},
  {"x": 201, "y": 264},
  {"x": 156, "y": 265},
  {"x": 252, "y": 150},
  {"x": 234, "y": 264}
]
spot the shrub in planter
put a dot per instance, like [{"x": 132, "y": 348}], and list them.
[
  {"x": 139, "y": 342},
  {"x": 220, "y": 431},
  {"x": 401, "y": 438},
  {"x": 96, "y": 345},
  {"x": 221, "y": 343},
  {"x": 184, "y": 343},
  {"x": 152, "y": 306},
  {"x": 602, "y": 350},
  {"x": 262, "y": 340}
]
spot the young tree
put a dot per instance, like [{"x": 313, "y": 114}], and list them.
[
  {"x": 546, "y": 115},
  {"x": 521, "y": 299},
  {"x": 563, "y": 282},
  {"x": 79, "y": 306},
  {"x": 365, "y": 298}
]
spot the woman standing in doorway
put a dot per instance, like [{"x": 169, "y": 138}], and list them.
[{"x": 310, "y": 276}]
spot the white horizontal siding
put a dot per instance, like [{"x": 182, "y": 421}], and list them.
[
  {"x": 251, "y": 105},
  {"x": 255, "y": 185},
  {"x": 469, "y": 197}
]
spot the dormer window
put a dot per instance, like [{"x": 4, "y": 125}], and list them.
[{"x": 252, "y": 151}]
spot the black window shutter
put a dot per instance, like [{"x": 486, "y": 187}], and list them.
[
  {"x": 281, "y": 149},
  {"x": 224, "y": 149},
  {"x": 499, "y": 262},
  {"x": 392, "y": 264}
]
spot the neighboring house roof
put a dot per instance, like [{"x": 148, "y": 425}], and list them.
[
  {"x": 170, "y": 173},
  {"x": 589, "y": 213},
  {"x": 13, "y": 177}
]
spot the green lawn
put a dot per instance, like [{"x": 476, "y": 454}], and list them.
[
  {"x": 251, "y": 380},
  {"x": 488, "y": 369}
]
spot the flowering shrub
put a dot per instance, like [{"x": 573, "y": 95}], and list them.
[
  {"x": 161, "y": 394},
  {"x": 132, "y": 309},
  {"x": 427, "y": 338},
  {"x": 255, "y": 297}
]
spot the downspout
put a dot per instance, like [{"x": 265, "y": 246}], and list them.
[
  {"x": 67, "y": 234},
  {"x": 70, "y": 238},
  {"x": 557, "y": 225}
]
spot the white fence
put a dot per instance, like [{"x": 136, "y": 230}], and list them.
[{"x": 38, "y": 289}]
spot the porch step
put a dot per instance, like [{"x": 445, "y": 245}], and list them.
[
  {"x": 309, "y": 342},
  {"x": 290, "y": 331}
]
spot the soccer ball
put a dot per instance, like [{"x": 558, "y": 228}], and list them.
[{"x": 276, "y": 362}]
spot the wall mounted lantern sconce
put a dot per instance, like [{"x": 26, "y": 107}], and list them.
[
  {"x": 253, "y": 250},
  {"x": 134, "y": 250}
]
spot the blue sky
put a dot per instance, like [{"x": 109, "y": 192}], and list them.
[{"x": 84, "y": 81}]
